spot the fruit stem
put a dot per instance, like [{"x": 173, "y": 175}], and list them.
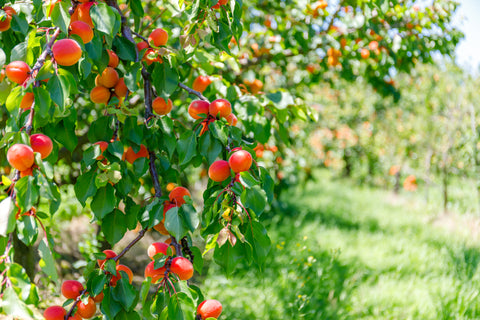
[{"x": 69, "y": 313}]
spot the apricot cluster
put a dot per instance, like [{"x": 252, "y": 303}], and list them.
[
  {"x": 239, "y": 161},
  {"x": 72, "y": 289},
  {"x": 21, "y": 156},
  {"x": 220, "y": 108},
  {"x": 179, "y": 266},
  {"x": 176, "y": 199},
  {"x": 157, "y": 38},
  {"x": 108, "y": 84}
]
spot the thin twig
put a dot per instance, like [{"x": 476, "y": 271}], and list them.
[
  {"x": 69, "y": 313},
  {"x": 191, "y": 91},
  {"x": 130, "y": 245}
]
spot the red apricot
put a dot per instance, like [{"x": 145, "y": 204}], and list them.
[
  {"x": 209, "y": 309},
  {"x": 17, "y": 71},
  {"x": 198, "y": 107},
  {"x": 220, "y": 107},
  {"x": 98, "y": 298},
  {"x": 142, "y": 45},
  {"x": 182, "y": 267},
  {"x": 118, "y": 276},
  {"x": 177, "y": 194},
  {"x": 27, "y": 101},
  {"x": 54, "y": 313},
  {"x": 5, "y": 24},
  {"x": 131, "y": 156},
  {"x": 86, "y": 310},
  {"x": 108, "y": 78},
  {"x": 71, "y": 289},
  {"x": 42, "y": 144},
  {"x": 157, "y": 247},
  {"x": 158, "y": 37},
  {"x": 82, "y": 29},
  {"x": 110, "y": 254},
  {"x": 113, "y": 59},
  {"x": 66, "y": 52},
  {"x": 27, "y": 172},
  {"x": 219, "y": 171},
  {"x": 103, "y": 146},
  {"x": 155, "y": 274},
  {"x": 20, "y": 156},
  {"x": 232, "y": 119},
  {"x": 240, "y": 160},
  {"x": 201, "y": 83}
]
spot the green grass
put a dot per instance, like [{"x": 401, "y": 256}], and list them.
[{"x": 344, "y": 252}]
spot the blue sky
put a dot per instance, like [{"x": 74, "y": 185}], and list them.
[{"x": 468, "y": 51}]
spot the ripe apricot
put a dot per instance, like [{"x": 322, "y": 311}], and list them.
[
  {"x": 17, "y": 71},
  {"x": 182, "y": 267},
  {"x": 220, "y": 3},
  {"x": 113, "y": 59},
  {"x": 161, "y": 107},
  {"x": 158, "y": 37},
  {"x": 66, "y": 52},
  {"x": 83, "y": 30},
  {"x": 151, "y": 56},
  {"x": 240, "y": 161},
  {"x": 103, "y": 146},
  {"x": 220, "y": 107},
  {"x": 20, "y": 156},
  {"x": 5, "y": 24},
  {"x": 232, "y": 119},
  {"x": 177, "y": 194},
  {"x": 42, "y": 144},
  {"x": 120, "y": 88},
  {"x": 131, "y": 156},
  {"x": 365, "y": 53},
  {"x": 27, "y": 172},
  {"x": 76, "y": 316},
  {"x": 219, "y": 171},
  {"x": 109, "y": 77},
  {"x": 373, "y": 45},
  {"x": 82, "y": 13},
  {"x": 142, "y": 45},
  {"x": 201, "y": 83},
  {"x": 54, "y": 313},
  {"x": 209, "y": 309},
  {"x": 86, "y": 310},
  {"x": 156, "y": 248},
  {"x": 71, "y": 289},
  {"x": 100, "y": 94},
  {"x": 170, "y": 186},
  {"x": 98, "y": 298},
  {"x": 27, "y": 101},
  {"x": 155, "y": 274},
  {"x": 255, "y": 85},
  {"x": 161, "y": 228},
  {"x": 110, "y": 254},
  {"x": 118, "y": 276},
  {"x": 198, "y": 107}
]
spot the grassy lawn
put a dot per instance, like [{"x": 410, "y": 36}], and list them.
[{"x": 345, "y": 252}]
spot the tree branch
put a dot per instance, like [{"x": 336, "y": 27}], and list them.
[
  {"x": 191, "y": 91},
  {"x": 69, "y": 313},
  {"x": 46, "y": 52},
  {"x": 131, "y": 244}
]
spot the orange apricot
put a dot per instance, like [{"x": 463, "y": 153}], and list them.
[
  {"x": 219, "y": 171},
  {"x": 120, "y": 88},
  {"x": 182, "y": 267},
  {"x": 113, "y": 59},
  {"x": 209, "y": 309},
  {"x": 82, "y": 13},
  {"x": 100, "y": 94},
  {"x": 177, "y": 194},
  {"x": 220, "y": 3},
  {"x": 83, "y": 30},
  {"x": 76, "y": 316},
  {"x": 54, "y": 313},
  {"x": 27, "y": 101},
  {"x": 155, "y": 274},
  {"x": 131, "y": 156},
  {"x": 142, "y": 45},
  {"x": 198, "y": 107},
  {"x": 158, "y": 247},
  {"x": 71, "y": 289},
  {"x": 66, "y": 52},
  {"x": 232, "y": 119},
  {"x": 5, "y": 24},
  {"x": 220, "y": 107},
  {"x": 86, "y": 310},
  {"x": 110, "y": 254},
  {"x": 161, "y": 228},
  {"x": 365, "y": 53},
  {"x": 161, "y": 107},
  {"x": 118, "y": 276},
  {"x": 42, "y": 144},
  {"x": 17, "y": 71},
  {"x": 201, "y": 83},
  {"x": 151, "y": 56},
  {"x": 109, "y": 77},
  {"x": 27, "y": 172},
  {"x": 158, "y": 37},
  {"x": 103, "y": 146},
  {"x": 98, "y": 298},
  {"x": 20, "y": 156},
  {"x": 240, "y": 161}
]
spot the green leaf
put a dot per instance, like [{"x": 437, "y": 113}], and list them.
[
  {"x": 257, "y": 236},
  {"x": 190, "y": 217},
  {"x": 165, "y": 78},
  {"x": 7, "y": 217},
  {"x": 27, "y": 230},
  {"x": 103, "y": 202},
  {"x": 219, "y": 132},
  {"x": 248, "y": 180},
  {"x": 59, "y": 90},
  {"x": 209, "y": 147},
  {"x": 228, "y": 257},
  {"x": 125, "y": 49},
  {"x": 85, "y": 186},
  {"x": 105, "y": 19},
  {"x": 280, "y": 99},
  {"x": 97, "y": 282},
  {"x": 187, "y": 147},
  {"x": 114, "y": 226},
  {"x": 174, "y": 223},
  {"x": 109, "y": 306},
  {"x": 12, "y": 305},
  {"x": 14, "y": 98},
  {"x": 181, "y": 307},
  {"x": 124, "y": 292},
  {"x": 255, "y": 199},
  {"x": 27, "y": 193},
  {"x": 61, "y": 17},
  {"x": 133, "y": 131},
  {"x": 46, "y": 262},
  {"x": 197, "y": 259}
]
